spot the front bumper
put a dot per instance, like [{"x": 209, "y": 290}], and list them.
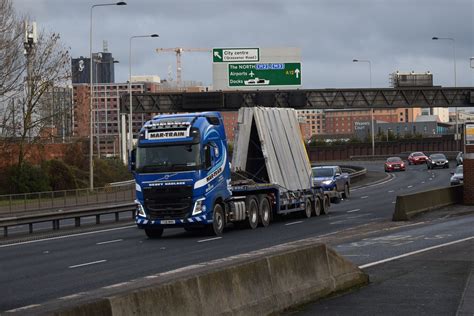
[{"x": 198, "y": 220}]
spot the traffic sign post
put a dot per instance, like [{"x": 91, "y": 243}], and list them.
[
  {"x": 264, "y": 74},
  {"x": 225, "y": 55}
]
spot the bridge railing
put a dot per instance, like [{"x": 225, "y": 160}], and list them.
[{"x": 15, "y": 204}]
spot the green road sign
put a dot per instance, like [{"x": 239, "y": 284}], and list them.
[
  {"x": 226, "y": 55},
  {"x": 264, "y": 74}
]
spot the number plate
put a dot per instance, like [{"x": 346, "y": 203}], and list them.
[{"x": 168, "y": 221}]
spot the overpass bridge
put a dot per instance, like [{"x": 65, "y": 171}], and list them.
[{"x": 374, "y": 98}]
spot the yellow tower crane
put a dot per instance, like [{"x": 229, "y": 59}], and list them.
[{"x": 178, "y": 51}]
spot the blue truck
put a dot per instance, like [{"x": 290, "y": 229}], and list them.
[{"x": 184, "y": 177}]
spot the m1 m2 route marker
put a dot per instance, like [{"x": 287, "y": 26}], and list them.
[
  {"x": 264, "y": 74},
  {"x": 225, "y": 55}
]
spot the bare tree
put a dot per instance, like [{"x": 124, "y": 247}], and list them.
[
  {"x": 48, "y": 66},
  {"x": 12, "y": 66}
]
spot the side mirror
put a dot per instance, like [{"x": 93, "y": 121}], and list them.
[
  {"x": 338, "y": 174},
  {"x": 452, "y": 172},
  {"x": 132, "y": 160}
]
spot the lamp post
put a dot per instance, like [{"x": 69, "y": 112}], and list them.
[
  {"x": 371, "y": 110},
  {"x": 455, "y": 82},
  {"x": 91, "y": 131},
  {"x": 130, "y": 132}
]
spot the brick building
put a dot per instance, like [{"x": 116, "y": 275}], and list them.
[
  {"x": 346, "y": 122},
  {"x": 106, "y": 109},
  {"x": 314, "y": 122}
]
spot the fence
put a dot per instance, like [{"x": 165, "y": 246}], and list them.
[
  {"x": 39, "y": 201},
  {"x": 346, "y": 151}
]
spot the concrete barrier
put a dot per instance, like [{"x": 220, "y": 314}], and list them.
[
  {"x": 257, "y": 283},
  {"x": 409, "y": 205}
]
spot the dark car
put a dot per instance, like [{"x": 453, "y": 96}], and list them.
[
  {"x": 394, "y": 164},
  {"x": 417, "y": 158},
  {"x": 437, "y": 161},
  {"x": 458, "y": 175},
  {"x": 459, "y": 158}
]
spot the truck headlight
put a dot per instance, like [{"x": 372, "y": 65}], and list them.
[
  {"x": 327, "y": 182},
  {"x": 199, "y": 207},
  {"x": 140, "y": 209}
]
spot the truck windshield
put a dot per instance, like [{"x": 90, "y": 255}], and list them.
[{"x": 168, "y": 158}]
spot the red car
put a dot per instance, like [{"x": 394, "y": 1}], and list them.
[
  {"x": 417, "y": 158},
  {"x": 394, "y": 164}
]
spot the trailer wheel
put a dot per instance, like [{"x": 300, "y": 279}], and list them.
[
  {"x": 252, "y": 212},
  {"x": 264, "y": 211},
  {"x": 317, "y": 206},
  {"x": 307, "y": 209},
  {"x": 153, "y": 233},
  {"x": 347, "y": 192},
  {"x": 326, "y": 204}
]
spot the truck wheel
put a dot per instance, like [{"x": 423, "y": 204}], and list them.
[
  {"x": 346, "y": 193},
  {"x": 252, "y": 212},
  {"x": 326, "y": 204},
  {"x": 307, "y": 209},
  {"x": 317, "y": 207},
  {"x": 153, "y": 233},
  {"x": 264, "y": 211},
  {"x": 218, "y": 220}
]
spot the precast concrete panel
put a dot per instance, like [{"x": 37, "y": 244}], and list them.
[{"x": 284, "y": 153}]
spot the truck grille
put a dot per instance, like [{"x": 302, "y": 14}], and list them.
[{"x": 168, "y": 202}]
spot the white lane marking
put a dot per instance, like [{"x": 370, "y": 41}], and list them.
[
  {"x": 115, "y": 285},
  {"x": 367, "y": 265},
  {"x": 376, "y": 184},
  {"x": 72, "y": 296},
  {"x": 22, "y": 308},
  {"x": 210, "y": 239},
  {"x": 338, "y": 222},
  {"x": 364, "y": 197},
  {"x": 430, "y": 179},
  {"x": 393, "y": 202},
  {"x": 355, "y": 210},
  {"x": 86, "y": 264},
  {"x": 422, "y": 182},
  {"x": 67, "y": 236},
  {"x": 410, "y": 186},
  {"x": 357, "y": 216},
  {"x": 108, "y": 242},
  {"x": 293, "y": 223},
  {"x": 391, "y": 191},
  {"x": 152, "y": 277}
]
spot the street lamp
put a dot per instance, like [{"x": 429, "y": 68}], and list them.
[
  {"x": 130, "y": 134},
  {"x": 91, "y": 136},
  {"x": 455, "y": 82},
  {"x": 371, "y": 110}
]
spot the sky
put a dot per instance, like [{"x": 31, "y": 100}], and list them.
[{"x": 393, "y": 35}]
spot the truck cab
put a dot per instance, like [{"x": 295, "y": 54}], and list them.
[{"x": 181, "y": 169}]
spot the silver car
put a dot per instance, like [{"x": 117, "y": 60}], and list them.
[{"x": 457, "y": 176}]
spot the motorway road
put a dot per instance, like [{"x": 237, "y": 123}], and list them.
[{"x": 35, "y": 271}]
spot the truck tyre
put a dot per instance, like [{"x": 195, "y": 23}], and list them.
[
  {"x": 154, "y": 232},
  {"x": 307, "y": 212},
  {"x": 346, "y": 194},
  {"x": 326, "y": 204},
  {"x": 252, "y": 212},
  {"x": 218, "y": 220},
  {"x": 264, "y": 211},
  {"x": 317, "y": 206}
]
